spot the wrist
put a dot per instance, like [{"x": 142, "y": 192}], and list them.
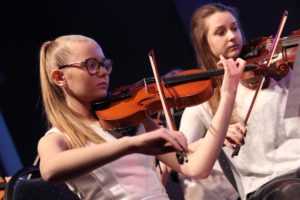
[
  {"x": 128, "y": 144},
  {"x": 228, "y": 96}
]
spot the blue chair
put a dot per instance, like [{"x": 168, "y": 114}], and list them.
[{"x": 21, "y": 188}]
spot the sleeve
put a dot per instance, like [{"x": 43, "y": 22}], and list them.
[{"x": 194, "y": 122}]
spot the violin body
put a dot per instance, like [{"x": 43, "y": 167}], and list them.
[
  {"x": 257, "y": 52},
  {"x": 144, "y": 101}
]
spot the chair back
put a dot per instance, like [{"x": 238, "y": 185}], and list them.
[
  {"x": 21, "y": 188},
  {"x": 279, "y": 189}
]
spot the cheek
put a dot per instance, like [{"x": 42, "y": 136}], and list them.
[
  {"x": 78, "y": 86},
  {"x": 78, "y": 83},
  {"x": 85, "y": 87},
  {"x": 91, "y": 91},
  {"x": 216, "y": 46},
  {"x": 240, "y": 40}
]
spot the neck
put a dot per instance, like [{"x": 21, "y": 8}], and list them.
[{"x": 83, "y": 109}]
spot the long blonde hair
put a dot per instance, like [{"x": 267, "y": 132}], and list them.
[
  {"x": 58, "y": 113},
  {"x": 205, "y": 58}
]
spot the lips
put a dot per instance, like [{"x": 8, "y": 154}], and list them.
[
  {"x": 102, "y": 85},
  {"x": 234, "y": 47}
]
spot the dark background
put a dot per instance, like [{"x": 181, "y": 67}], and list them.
[{"x": 126, "y": 30}]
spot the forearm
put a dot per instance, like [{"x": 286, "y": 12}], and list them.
[
  {"x": 68, "y": 164},
  {"x": 206, "y": 150}
]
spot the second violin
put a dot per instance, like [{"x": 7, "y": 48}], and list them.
[{"x": 257, "y": 51}]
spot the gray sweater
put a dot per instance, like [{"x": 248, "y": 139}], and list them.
[{"x": 272, "y": 144}]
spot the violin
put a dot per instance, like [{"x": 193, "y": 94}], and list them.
[
  {"x": 2, "y": 187},
  {"x": 257, "y": 51},
  {"x": 261, "y": 80},
  {"x": 132, "y": 104},
  {"x": 129, "y": 105}
]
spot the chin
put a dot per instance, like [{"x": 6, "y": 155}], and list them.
[
  {"x": 234, "y": 54},
  {"x": 100, "y": 95}
]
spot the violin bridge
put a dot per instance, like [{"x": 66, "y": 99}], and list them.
[
  {"x": 150, "y": 89},
  {"x": 145, "y": 84}
]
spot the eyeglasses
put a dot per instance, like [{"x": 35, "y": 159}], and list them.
[{"x": 92, "y": 65}]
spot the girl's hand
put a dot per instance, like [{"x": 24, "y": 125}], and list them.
[
  {"x": 235, "y": 135},
  {"x": 233, "y": 70},
  {"x": 160, "y": 141}
]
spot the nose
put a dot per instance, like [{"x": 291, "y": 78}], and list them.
[
  {"x": 102, "y": 72},
  {"x": 231, "y": 35}
]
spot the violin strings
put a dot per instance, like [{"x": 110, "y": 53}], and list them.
[{"x": 289, "y": 41}]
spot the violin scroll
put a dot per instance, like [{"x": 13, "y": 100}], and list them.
[{"x": 257, "y": 51}]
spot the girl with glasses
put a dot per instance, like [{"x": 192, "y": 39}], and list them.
[{"x": 95, "y": 163}]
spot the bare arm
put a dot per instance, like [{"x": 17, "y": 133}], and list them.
[
  {"x": 205, "y": 151},
  {"x": 59, "y": 163}
]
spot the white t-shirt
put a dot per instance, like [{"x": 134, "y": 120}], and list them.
[
  {"x": 272, "y": 143},
  {"x": 132, "y": 177}
]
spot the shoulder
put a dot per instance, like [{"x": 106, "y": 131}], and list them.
[
  {"x": 197, "y": 110},
  {"x": 53, "y": 138}
]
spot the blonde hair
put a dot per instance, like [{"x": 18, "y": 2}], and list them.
[
  {"x": 58, "y": 113},
  {"x": 205, "y": 58}
]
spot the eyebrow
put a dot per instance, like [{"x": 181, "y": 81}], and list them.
[{"x": 221, "y": 26}]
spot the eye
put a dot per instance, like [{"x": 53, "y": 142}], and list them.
[
  {"x": 92, "y": 63},
  {"x": 220, "y": 32},
  {"x": 107, "y": 64},
  {"x": 234, "y": 27}
]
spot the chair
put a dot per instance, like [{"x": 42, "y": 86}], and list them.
[
  {"x": 21, "y": 188},
  {"x": 279, "y": 189}
]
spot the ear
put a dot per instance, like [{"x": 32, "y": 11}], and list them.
[{"x": 57, "y": 77}]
